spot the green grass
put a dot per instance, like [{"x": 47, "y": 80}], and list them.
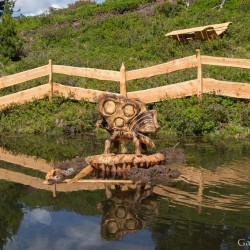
[{"x": 105, "y": 35}]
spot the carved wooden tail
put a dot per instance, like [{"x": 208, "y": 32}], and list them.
[{"x": 146, "y": 140}]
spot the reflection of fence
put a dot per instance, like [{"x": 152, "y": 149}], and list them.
[
  {"x": 235, "y": 176},
  {"x": 193, "y": 87}
]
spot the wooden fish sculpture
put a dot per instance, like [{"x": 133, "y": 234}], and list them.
[{"x": 126, "y": 119}]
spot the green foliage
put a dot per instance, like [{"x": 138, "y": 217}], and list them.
[
  {"x": 191, "y": 117},
  {"x": 10, "y": 43},
  {"x": 59, "y": 115},
  {"x": 105, "y": 35}
]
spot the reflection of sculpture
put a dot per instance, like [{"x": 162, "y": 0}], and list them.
[
  {"x": 126, "y": 119},
  {"x": 126, "y": 212}
]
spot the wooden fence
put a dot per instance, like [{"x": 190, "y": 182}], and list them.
[{"x": 188, "y": 88}]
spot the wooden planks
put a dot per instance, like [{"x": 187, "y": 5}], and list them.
[
  {"x": 7, "y": 81},
  {"x": 25, "y": 161},
  {"x": 77, "y": 93},
  {"x": 179, "y": 64},
  {"x": 25, "y": 95},
  {"x": 100, "y": 74},
  {"x": 225, "y": 88},
  {"x": 202, "y": 33},
  {"x": 228, "y": 62},
  {"x": 147, "y": 96},
  {"x": 177, "y": 90}
]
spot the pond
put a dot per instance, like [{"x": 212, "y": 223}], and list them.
[{"x": 207, "y": 207}]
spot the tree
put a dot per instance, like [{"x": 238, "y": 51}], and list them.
[
  {"x": 1, "y": 7},
  {"x": 2, "y": 4},
  {"x": 10, "y": 43}
]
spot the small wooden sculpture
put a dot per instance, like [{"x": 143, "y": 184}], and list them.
[{"x": 126, "y": 119}]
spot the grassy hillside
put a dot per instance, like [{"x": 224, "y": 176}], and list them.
[{"x": 105, "y": 35}]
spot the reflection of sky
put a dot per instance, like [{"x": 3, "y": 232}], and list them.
[
  {"x": 33, "y": 7},
  {"x": 42, "y": 230}
]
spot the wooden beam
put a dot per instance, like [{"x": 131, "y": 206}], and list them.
[
  {"x": 199, "y": 74},
  {"x": 25, "y": 76},
  {"x": 123, "y": 87},
  {"x": 100, "y": 74},
  {"x": 228, "y": 62},
  {"x": 103, "y": 181},
  {"x": 51, "y": 78},
  {"x": 77, "y": 93},
  {"x": 25, "y": 95},
  {"x": 226, "y": 88},
  {"x": 179, "y": 64},
  {"x": 158, "y": 94}
]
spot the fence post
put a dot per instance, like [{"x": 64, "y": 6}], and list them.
[
  {"x": 51, "y": 78},
  {"x": 199, "y": 74},
  {"x": 123, "y": 87}
]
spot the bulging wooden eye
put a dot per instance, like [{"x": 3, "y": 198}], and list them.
[
  {"x": 109, "y": 107},
  {"x": 131, "y": 224},
  {"x": 112, "y": 227},
  {"x": 129, "y": 110},
  {"x": 119, "y": 122}
]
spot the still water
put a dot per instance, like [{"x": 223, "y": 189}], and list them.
[{"x": 207, "y": 207}]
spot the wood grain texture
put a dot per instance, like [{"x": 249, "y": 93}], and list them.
[
  {"x": 100, "y": 74},
  {"x": 228, "y": 62},
  {"x": 78, "y": 93},
  {"x": 123, "y": 87},
  {"x": 164, "y": 68},
  {"x": 219, "y": 29},
  {"x": 25, "y": 76},
  {"x": 225, "y": 88},
  {"x": 25, "y": 95},
  {"x": 177, "y": 90},
  {"x": 199, "y": 74}
]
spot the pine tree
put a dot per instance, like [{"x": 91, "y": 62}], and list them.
[
  {"x": 1, "y": 7},
  {"x": 2, "y": 3},
  {"x": 10, "y": 43}
]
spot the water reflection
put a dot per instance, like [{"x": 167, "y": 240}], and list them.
[
  {"x": 196, "y": 186},
  {"x": 126, "y": 210},
  {"x": 209, "y": 205}
]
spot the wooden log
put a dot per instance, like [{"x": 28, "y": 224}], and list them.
[
  {"x": 105, "y": 181},
  {"x": 25, "y": 76},
  {"x": 123, "y": 87},
  {"x": 25, "y": 95},
  {"x": 228, "y": 62},
  {"x": 179, "y": 64},
  {"x": 24, "y": 161},
  {"x": 133, "y": 160},
  {"x": 82, "y": 174},
  {"x": 226, "y": 88},
  {"x": 78, "y": 93},
  {"x": 100, "y": 74},
  {"x": 158, "y": 94},
  {"x": 199, "y": 74}
]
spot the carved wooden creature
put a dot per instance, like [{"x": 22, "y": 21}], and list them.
[{"x": 126, "y": 119}]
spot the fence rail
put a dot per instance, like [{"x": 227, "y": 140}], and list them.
[{"x": 193, "y": 87}]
